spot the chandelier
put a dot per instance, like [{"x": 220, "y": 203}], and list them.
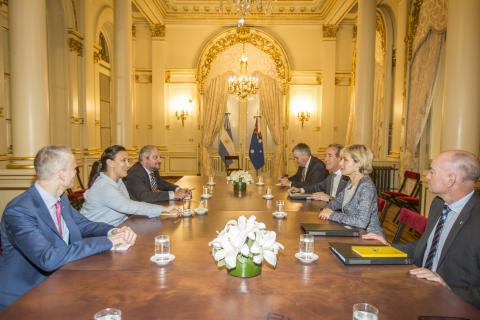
[{"x": 243, "y": 85}]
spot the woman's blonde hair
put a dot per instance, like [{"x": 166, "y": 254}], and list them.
[{"x": 360, "y": 154}]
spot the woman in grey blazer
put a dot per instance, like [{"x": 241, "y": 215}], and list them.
[{"x": 356, "y": 205}]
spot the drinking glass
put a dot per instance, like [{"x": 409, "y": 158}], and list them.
[
  {"x": 210, "y": 180},
  {"x": 269, "y": 191},
  {"x": 204, "y": 204},
  {"x": 364, "y": 311},
  {"x": 280, "y": 206},
  {"x": 162, "y": 247},
  {"x": 205, "y": 190},
  {"x": 260, "y": 179},
  {"x": 306, "y": 246},
  {"x": 187, "y": 202},
  {"x": 108, "y": 314}
]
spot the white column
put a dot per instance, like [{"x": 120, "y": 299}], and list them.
[
  {"x": 90, "y": 134},
  {"x": 398, "y": 98},
  {"x": 329, "y": 47},
  {"x": 365, "y": 72},
  {"x": 123, "y": 63},
  {"x": 29, "y": 80},
  {"x": 158, "y": 80},
  {"x": 461, "y": 121}
]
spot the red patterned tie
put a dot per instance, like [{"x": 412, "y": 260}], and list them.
[{"x": 58, "y": 213}]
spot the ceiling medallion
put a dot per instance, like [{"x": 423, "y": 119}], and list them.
[{"x": 246, "y": 7}]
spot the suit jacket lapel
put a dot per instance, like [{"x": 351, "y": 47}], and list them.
[
  {"x": 459, "y": 223},
  {"x": 43, "y": 212}
]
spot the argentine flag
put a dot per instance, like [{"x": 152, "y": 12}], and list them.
[{"x": 226, "y": 146}]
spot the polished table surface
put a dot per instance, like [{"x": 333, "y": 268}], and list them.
[{"x": 192, "y": 287}]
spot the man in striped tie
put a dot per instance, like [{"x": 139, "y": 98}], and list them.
[{"x": 449, "y": 251}]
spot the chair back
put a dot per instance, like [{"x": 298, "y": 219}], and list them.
[
  {"x": 76, "y": 197},
  {"x": 382, "y": 209},
  {"x": 409, "y": 176},
  {"x": 412, "y": 220},
  {"x": 234, "y": 164}
]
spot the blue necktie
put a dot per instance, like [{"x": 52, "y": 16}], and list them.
[{"x": 436, "y": 237}]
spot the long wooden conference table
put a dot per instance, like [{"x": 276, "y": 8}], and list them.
[{"x": 192, "y": 287}]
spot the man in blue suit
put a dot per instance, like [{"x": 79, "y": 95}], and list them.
[{"x": 41, "y": 231}]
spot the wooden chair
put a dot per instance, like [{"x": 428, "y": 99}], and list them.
[
  {"x": 412, "y": 220},
  {"x": 76, "y": 197},
  {"x": 234, "y": 166}
]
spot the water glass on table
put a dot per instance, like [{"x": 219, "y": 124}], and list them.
[
  {"x": 205, "y": 190},
  {"x": 280, "y": 207},
  {"x": 210, "y": 180},
  {"x": 364, "y": 311},
  {"x": 108, "y": 314},
  {"x": 162, "y": 248},
  {"x": 187, "y": 202},
  {"x": 268, "y": 191},
  {"x": 306, "y": 246}
]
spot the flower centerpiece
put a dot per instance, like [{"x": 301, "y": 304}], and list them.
[
  {"x": 240, "y": 178},
  {"x": 243, "y": 245}
]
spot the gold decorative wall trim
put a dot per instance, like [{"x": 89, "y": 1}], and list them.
[
  {"x": 158, "y": 30},
  {"x": 413, "y": 19},
  {"x": 76, "y": 120},
  {"x": 329, "y": 30},
  {"x": 21, "y": 158},
  {"x": 134, "y": 31},
  {"x": 1, "y": 113},
  {"x": 75, "y": 42},
  {"x": 233, "y": 36}
]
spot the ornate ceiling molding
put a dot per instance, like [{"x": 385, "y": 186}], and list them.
[
  {"x": 253, "y": 36},
  {"x": 329, "y": 30}
]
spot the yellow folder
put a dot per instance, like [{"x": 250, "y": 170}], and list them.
[{"x": 378, "y": 252}]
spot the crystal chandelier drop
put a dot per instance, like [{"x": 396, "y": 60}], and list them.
[{"x": 243, "y": 86}]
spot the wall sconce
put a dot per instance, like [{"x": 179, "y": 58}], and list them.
[
  {"x": 182, "y": 112},
  {"x": 303, "y": 116}
]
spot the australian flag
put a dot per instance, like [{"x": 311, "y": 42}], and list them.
[
  {"x": 226, "y": 147},
  {"x": 256, "y": 147}
]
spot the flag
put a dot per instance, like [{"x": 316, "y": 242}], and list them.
[
  {"x": 226, "y": 146},
  {"x": 256, "y": 147}
]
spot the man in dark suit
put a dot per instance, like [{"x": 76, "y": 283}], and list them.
[
  {"x": 144, "y": 183},
  {"x": 41, "y": 231},
  {"x": 449, "y": 251},
  {"x": 311, "y": 170},
  {"x": 335, "y": 182}
]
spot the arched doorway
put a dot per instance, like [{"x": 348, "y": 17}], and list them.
[{"x": 218, "y": 60}]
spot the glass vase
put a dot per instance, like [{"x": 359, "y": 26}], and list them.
[
  {"x": 239, "y": 187},
  {"x": 245, "y": 268}
]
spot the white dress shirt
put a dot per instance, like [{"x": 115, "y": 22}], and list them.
[
  {"x": 171, "y": 194},
  {"x": 336, "y": 181}
]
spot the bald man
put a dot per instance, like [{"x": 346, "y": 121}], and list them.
[{"x": 449, "y": 250}]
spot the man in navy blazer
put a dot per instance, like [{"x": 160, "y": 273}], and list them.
[
  {"x": 449, "y": 251},
  {"x": 311, "y": 170},
  {"x": 335, "y": 182},
  {"x": 41, "y": 231},
  {"x": 144, "y": 182}
]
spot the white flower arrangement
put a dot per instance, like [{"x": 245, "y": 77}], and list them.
[
  {"x": 245, "y": 238},
  {"x": 235, "y": 176}
]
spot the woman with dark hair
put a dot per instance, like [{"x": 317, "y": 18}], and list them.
[
  {"x": 107, "y": 199},
  {"x": 356, "y": 205}
]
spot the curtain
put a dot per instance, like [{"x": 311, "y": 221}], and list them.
[
  {"x": 271, "y": 100},
  {"x": 378, "y": 129},
  {"x": 214, "y": 106},
  {"x": 422, "y": 78}
]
